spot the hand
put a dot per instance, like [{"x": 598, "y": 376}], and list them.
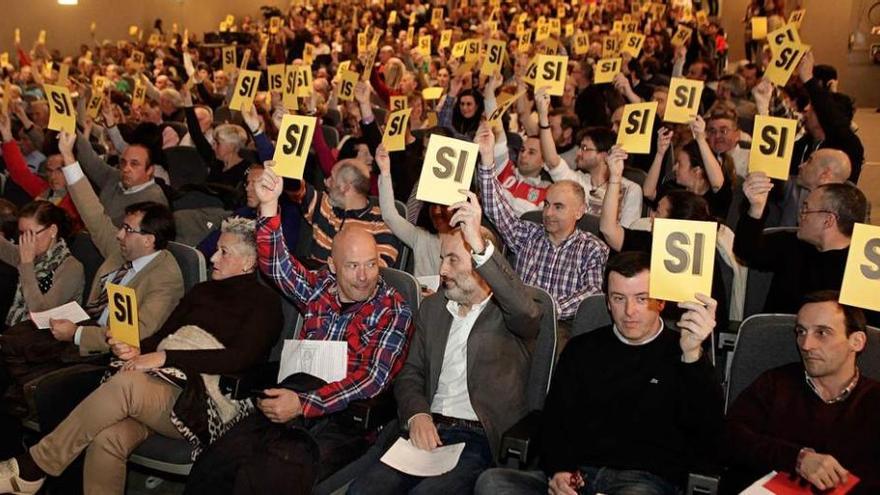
[
  {"x": 65, "y": 146},
  {"x": 621, "y": 84},
  {"x": 252, "y": 119},
  {"x": 756, "y": 188},
  {"x": 107, "y": 112},
  {"x": 122, "y": 350},
  {"x": 680, "y": 54},
  {"x": 698, "y": 127},
  {"x": 148, "y": 361},
  {"x": 383, "y": 160},
  {"x": 88, "y": 124},
  {"x": 542, "y": 104},
  {"x": 696, "y": 324},
  {"x": 763, "y": 90},
  {"x": 5, "y": 127},
  {"x": 170, "y": 138},
  {"x": 468, "y": 215},
  {"x": 268, "y": 190},
  {"x": 805, "y": 67},
  {"x": 615, "y": 160},
  {"x": 423, "y": 433},
  {"x": 281, "y": 406},
  {"x": 664, "y": 140},
  {"x": 62, "y": 330},
  {"x": 362, "y": 93},
  {"x": 486, "y": 139},
  {"x": 27, "y": 247},
  {"x": 561, "y": 484},
  {"x": 821, "y": 470}
]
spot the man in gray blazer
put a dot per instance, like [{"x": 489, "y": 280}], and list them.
[{"x": 465, "y": 377}]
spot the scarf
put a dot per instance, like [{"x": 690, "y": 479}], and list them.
[{"x": 44, "y": 270}]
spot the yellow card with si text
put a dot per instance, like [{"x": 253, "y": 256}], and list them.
[
  {"x": 448, "y": 167},
  {"x": 394, "y": 137},
  {"x": 62, "y": 112},
  {"x": 861, "y": 277},
  {"x": 294, "y": 140},
  {"x": 123, "y": 314},
  {"x": 682, "y": 259},
  {"x": 637, "y": 127},
  {"x": 772, "y": 146}
]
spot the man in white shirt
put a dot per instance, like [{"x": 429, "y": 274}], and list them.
[
  {"x": 592, "y": 169},
  {"x": 465, "y": 377}
]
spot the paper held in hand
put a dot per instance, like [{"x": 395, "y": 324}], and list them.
[
  {"x": 407, "y": 458},
  {"x": 324, "y": 359},
  {"x": 71, "y": 311}
]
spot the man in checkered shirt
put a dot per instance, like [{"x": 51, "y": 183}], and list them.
[{"x": 556, "y": 256}]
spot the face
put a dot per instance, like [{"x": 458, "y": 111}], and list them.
[
  {"x": 162, "y": 82},
  {"x": 663, "y": 208},
  {"x": 562, "y": 210},
  {"x": 220, "y": 79},
  {"x": 530, "y": 161},
  {"x": 407, "y": 83},
  {"x": 205, "y": 120},
  {"x": 133, "y": 167},
  {"x": 722, "y": 135},
  {"x": 440, "y": 217},
  {"x": 166, "y": 105},
  {"x": 45, "y": 236},
  {"x": 363, "y": 154},
  {"x": 457, "y": 276},
  {"x": 560, "y": 136},
  {"x": 588, "y": 156},
  {"x": 697, "y": 72},
  {"x": 616, "y": 117},
  {"x": 356, "y": 265},
  {"x": 253, "y": 176},
  {"x": 54, "y": 175},
  {"x": 133, "y": 242},
  {"x": 636, "y": 315},
  {"x": 751, "y": 77},
  {"x": 230, "y": 259},
  {"x": 443, "y": 78},
  {"x": 468, "y": 106},
  {"x": 660, "y": 97},
  {"x": 825, "y": 348},
  {"x": 814, "y": 218},
  {"x": 685, "y": 174},
  {"x": 809, "y": 173}
]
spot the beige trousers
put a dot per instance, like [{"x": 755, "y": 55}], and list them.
[{"x": 110, "y": 423}]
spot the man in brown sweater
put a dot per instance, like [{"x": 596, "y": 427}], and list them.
[{"x": 816, "y": 418}]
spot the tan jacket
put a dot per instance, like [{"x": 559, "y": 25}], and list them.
[{"x": 158, "y": 286}]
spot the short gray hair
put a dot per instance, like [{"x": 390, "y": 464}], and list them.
[
  {"x": 231, "y": 134},
  {"x": 245, "y": 230}
]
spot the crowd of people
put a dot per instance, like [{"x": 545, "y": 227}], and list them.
[{"x": 555, "y": 205}]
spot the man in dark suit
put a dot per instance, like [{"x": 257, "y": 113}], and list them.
[{"x": 465, "y": 377}]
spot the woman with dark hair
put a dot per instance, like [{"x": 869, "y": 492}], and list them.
[
  {"x": 461, "y": 111},
  {"x": 48, "y": 275}
]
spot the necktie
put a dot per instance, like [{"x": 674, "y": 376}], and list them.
[{"x": 95, "y": 309}]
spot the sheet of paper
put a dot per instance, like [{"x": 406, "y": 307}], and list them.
[
  {"x": 71, "y": 311},
  {"x": 407, "y": 458},
  {"x": 327, "y": 360},
  {"x": 429, "y": 282}
]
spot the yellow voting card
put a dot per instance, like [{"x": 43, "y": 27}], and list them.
[
  {"x": 682, "y": 259},
  {"x": 394, "y": 137},
  {"x": 62, "y": 113},
  {"x": 772, "y": 146},
  {"x": 294, "y": 140},
  {"x": 637, "y": 127},
  {"x": 551, "y": 72},
  {"x": 861, "y": 278},
  {"x": 245, "y": 90},
  {"x": 606, "y": 69},
  {"x": 683, "y": 101},
  {"x": 448, "y": 167},
  {"x": 123, "y": 314}
]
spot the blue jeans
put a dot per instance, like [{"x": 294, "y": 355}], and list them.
[
  {"x": 476, "y": 458},
  {"x": 598, "y": 480}
]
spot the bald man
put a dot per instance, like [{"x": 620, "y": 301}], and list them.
[
  {"x": 348, "y": 301},
  {"x": 824, "y": 166}
]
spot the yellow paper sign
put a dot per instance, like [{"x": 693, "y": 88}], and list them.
[
  {"x": 524, "y": 41},
  {"x": 606, "y": 69},
  {"x": 432, "y": 93},
  {"x": 362, "y": 42},
  {"x": 543, "y": 32},
  {"x": 494, "y": 57},
  {"x": 425, "y": 45},
  {"x": 348, "y": 81},
  {"x": 99, "y": 83},
  {"x": 137, "y": 59},
  {"x": 93, "y": 106},
  {"x": 458, "y": 49},
  {"x": 229, "y": 59},
  {"x": 294, "y": 141},
  {"x": 448, "y": 167},
  {"x": 637, "y": 127},
  {"x": 581, "y": 42},
  {"x": 230, "y": 20},
  {"x": 784, "y": 63},
  {"x": 138, "y": 94},
  {"x": 288, "y": 95},
  {"x": 632, "y": 44},
  {"x": 861, "y": 278},
  {"x": 394, "y": 137},
  {"x": 445, "y": 39},
  {"x": 62, "y": 113},
  {"x": 472, "y": 50},
  {"x": 368, "y": 63},
  {"x": 785, "y": 36},
  {"x": 132, "y": 30},
  {"x": 4, "y": 59},
  {"x": 308, "y": 53},
  {"x": 555, "y": 26},
  {"x": 702, "y": 18},
  {"x": 552, "y": 71},
  {"x": 797, "y": 17},
  {"x": 41, "y": 38},
  {"x": 502, "y": 108},
  {"x": 304, "y": 81},
  {"x": 682, "y": 259},
  {"x": 398, "y": 102},
  {"x": 123, "y": 314},
  {"x": 772, "y": 146},
  {"x": 759, "y": 28},
  {"x": 245, "y": 90},
  {"x": 274, "y": 25},
  {"x": 392, "y": 18},
  {"x": 410, "y": 35},
  {"x": 610, "y": 46},
  {"x": 276, "y": 77},
  {"x": 684, "y": 100},
  {"x": 437, "y": 17},
  {"x": 569, "y": 29},
  {"x": 531, "y": 71},
  {"x": 681, "y": 36},
  {"x": 153, "y": 40},
  {"x": 17, "y": 36}
]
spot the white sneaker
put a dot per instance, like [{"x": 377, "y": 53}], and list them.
[{"x": 11, "y": 482}]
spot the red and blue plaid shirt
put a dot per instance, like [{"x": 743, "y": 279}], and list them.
[{"x": 377, "y": 330}]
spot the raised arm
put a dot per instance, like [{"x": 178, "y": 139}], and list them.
[
  {"x": 19, "y": 172},
  {"x": 664, "y": 140},
  {"x": 401, "y": 228},
  {"x": 609, "y": 225},
  {"x": 94, "y": 166},
  {"x": 548, "y": 146},
  {"x": 714, "y": 173}
]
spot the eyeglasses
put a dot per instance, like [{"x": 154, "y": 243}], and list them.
[
  {"x": 38, "y": 232},
  {"x": 586, "y": 147},
  {"x": 804, "y": 211},
  {"x": 130, "y": 230},
  {"x": 718, "y": 132}
]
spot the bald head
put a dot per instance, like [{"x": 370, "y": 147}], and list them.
[
  {"x": 355, "y": 262},
  {"x": 353, "y": 240},
  {"x": 836, "y": 163}
]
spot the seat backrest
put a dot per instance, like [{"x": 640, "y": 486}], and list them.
[
  {"x": 191, "y": 262},
  {"x": 758, "y": 282},
  {"x": 406, "y": 284},
  {"x": 767, "y": 341},
  {"x": 592, "y": 314},
  {"x": 331, "y": 135},
  {"x": 83, "y": 249},
  {"x": 544, "y": 352},
  {"x": 587, "y": 223},
  {"x": 636, "y": 175},
  {"x": 332, "y": 115}
]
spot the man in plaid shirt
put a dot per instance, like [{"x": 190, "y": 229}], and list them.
[
  {"x": 348, "y": 301},
  {"x": 557, "y": 257}
]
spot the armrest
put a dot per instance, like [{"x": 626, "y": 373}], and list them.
[
  {"x": 242, "y": 385},
  {"x": 370, "y": 414},
  {"x": 702, "y": 484},
  {"x": 519, "y": 444}
]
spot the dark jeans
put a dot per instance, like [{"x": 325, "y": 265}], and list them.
[
  {"x": 598, "y": 480},
  {"x": 476, "y": 458}
]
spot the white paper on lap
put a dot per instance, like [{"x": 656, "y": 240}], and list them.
[
  {"x": 324, "y": 359},
  {"x": 71, "y": 311},
  {"x": 407, "y": 458}
]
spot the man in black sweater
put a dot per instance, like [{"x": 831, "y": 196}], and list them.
[
  {"x": 632, "y": 406},
  {"x": 809, "y": 260}
]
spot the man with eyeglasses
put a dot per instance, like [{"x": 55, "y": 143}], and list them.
[
  {"x": 824, "y": 166},
  {"x": 810, "y": 259},
  {"x": 814, "y": 418},
  {"x": 592, "y": 171},
  {"x": 723, "y": 135}
]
